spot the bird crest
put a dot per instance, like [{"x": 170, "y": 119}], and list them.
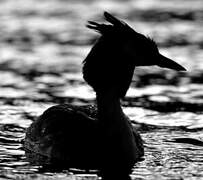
[{"x": 115, "y": 25}]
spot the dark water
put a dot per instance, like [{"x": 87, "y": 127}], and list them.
[{"x": 42, "y": 45}]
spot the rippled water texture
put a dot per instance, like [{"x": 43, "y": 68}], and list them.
[{"x": 42, "y": 45}]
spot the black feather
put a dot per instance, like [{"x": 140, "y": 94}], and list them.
[
  {"x": 115, "y": 25},
  {"x": 113, "y": 20}
]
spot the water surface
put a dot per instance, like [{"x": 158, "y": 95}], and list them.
[{"x": 42, "y": 45}]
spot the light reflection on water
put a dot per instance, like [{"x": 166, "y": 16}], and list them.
[{"x": 42, "y": 46}]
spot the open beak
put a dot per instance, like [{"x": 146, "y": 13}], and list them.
[{"x": 168, "y": 63}]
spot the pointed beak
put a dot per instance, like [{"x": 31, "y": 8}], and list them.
[{"x": 168, "y": 63}]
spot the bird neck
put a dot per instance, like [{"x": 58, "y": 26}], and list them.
[
  {"x": 115, "y": 129},
  {"x": 109, "y": 109}
]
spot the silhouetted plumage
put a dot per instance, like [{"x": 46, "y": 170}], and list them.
[{"x": 98, "y": 138}]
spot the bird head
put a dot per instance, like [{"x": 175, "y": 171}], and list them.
[{"x": 110, "y": 63}]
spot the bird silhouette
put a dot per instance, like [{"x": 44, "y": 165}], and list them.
[{"x": 101, "y": 137}]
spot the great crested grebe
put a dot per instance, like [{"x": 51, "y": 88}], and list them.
[{"x": 103, "y": 139}]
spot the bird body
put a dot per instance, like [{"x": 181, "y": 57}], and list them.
[
  {"x": 73, "y": 136},
  {"x": 64, "y": 135},
  {"x": 101, "y": 137}
]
